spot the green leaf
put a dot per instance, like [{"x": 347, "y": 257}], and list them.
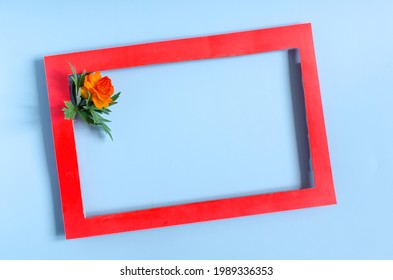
[
  {"x": 78, "y": 97},
  {"x": 72, "y": 68},
  {"x": 85, "y": 116},
  {"x": 115, "y": 96},
  {"x": 99, "y": 120},
  {"x": 107, "y": 130},
  {"x": 102, "y": 110},
  {"x": 69, "y": 111},
  {"x": 106, "y": 111},
  {"x": 104, "y": 120},
  {"x": 95, "y": 116},
  {"x": 81, "y": 80},
  {"x": 74, "y": 79}
]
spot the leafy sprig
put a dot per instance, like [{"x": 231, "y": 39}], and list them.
[{"x": 85, "y": 108}]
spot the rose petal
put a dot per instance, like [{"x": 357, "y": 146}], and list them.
[
  {"x": 98, "y": 102},
  {"x": 93, "y": 78}
]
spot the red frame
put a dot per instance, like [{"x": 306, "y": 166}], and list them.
[{"x": 224, "y": 45}]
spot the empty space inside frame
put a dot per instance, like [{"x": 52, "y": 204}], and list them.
[{"x": 198, "y": 130}]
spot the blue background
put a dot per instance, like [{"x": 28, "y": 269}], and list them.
[{"x": 200, "y": 130}]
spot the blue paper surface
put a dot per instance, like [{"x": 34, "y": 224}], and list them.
[{"x": 353, "y": 50}]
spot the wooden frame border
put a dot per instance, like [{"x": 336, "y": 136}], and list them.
[{"x": 215, "y": 46}]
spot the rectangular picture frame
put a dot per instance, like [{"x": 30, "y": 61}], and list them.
[{"x": 298, "y": 36}]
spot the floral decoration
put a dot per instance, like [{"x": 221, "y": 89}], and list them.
[{"x": 91, "y": 96}]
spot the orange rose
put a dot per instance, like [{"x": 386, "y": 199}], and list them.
[{"x": 101, "y": 89}]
